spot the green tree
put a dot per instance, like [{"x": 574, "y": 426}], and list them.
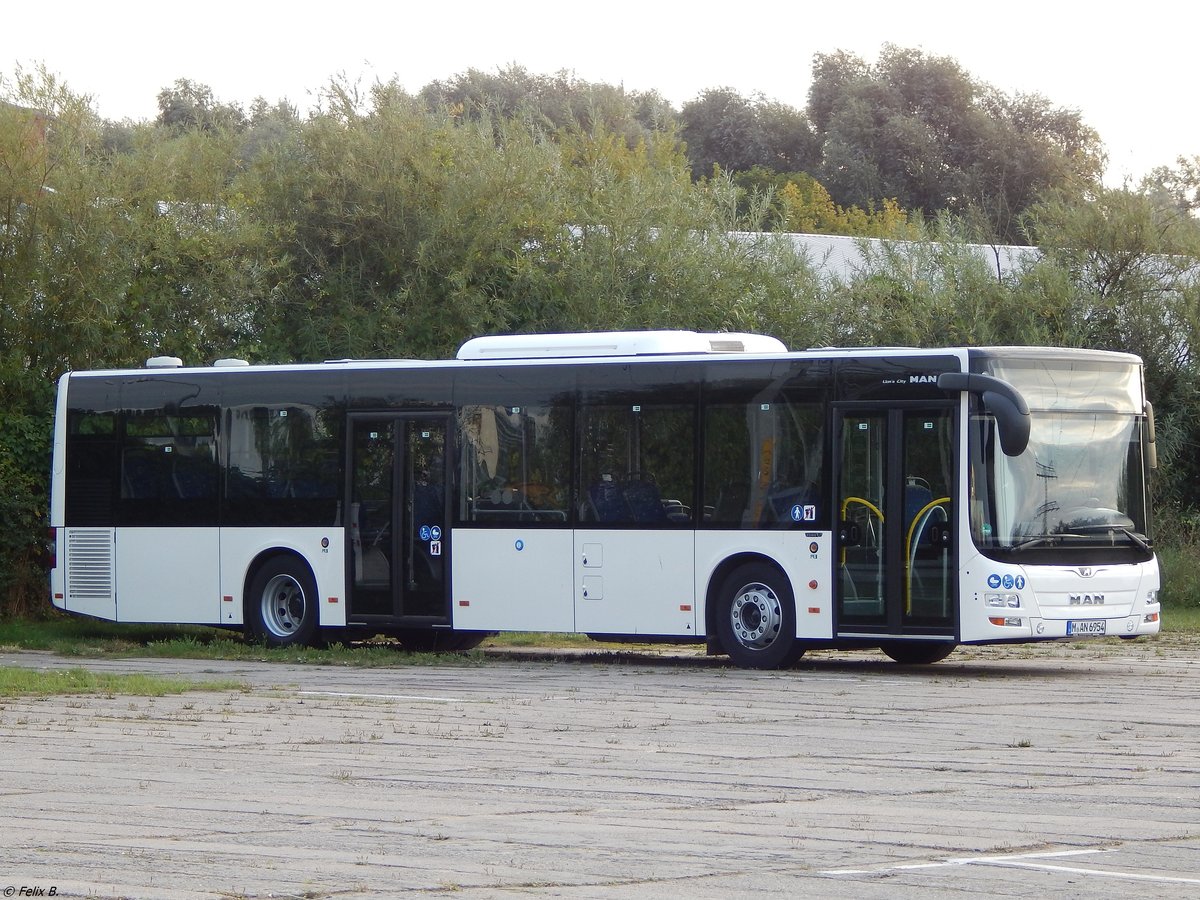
[
  {"x": 918, "y": 129},
  {"x": 108, "y": 254},
  {"x": 727, "y": 131},
  {"x": 189, "y": 105},
  {"x": 558, "y": 102}
]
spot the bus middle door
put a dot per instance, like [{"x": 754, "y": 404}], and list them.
[{"x": 398, "y": 549}]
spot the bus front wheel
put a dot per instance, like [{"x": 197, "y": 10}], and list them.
[
  {"x": 756, "y": 618},
  {"x": 281, "y": 607}
]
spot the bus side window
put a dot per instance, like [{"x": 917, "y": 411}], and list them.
[
  {"x": 169, "y": 470},
  {"x": 515, "y": 463},
  {"x": 637, "y": 463},
  {"x": 763, "y": 464}
]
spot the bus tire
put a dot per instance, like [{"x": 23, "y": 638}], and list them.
[
  {"x": 756, "y": 618},
  {"x": 918, "y": 653},
  {"x": 281, "y": 603}
]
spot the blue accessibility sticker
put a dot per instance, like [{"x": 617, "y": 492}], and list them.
[
  {"x": 1020, "y": 582},
  {"x": 993, "y": 580},
  {"x": 1008, "y": 582},
  {"x": 425, "y": 532}
]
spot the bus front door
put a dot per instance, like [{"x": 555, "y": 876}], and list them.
[
  {"x": 398, "y": 547},
  {"x": 895, "y": 559}
]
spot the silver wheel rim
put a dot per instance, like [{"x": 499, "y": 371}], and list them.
[
  {"x": 756, "y": 616},
  {"x": 283, "y": 606}
]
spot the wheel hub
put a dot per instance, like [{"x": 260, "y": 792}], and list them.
[
  {"x": 756, "y": 616},
  {"x": 283, "y": 605}
]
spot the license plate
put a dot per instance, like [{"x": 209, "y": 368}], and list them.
[{"x": 1089, "y": 627}]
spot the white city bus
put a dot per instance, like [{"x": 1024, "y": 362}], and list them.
[{"x": 671, "y": 486}]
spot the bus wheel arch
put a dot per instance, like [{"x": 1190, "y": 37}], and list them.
[
  {"x": 280, "y": 604},
  {"x": 751, "y": 609}
]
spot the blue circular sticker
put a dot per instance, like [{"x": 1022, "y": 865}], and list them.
[
  {"x": 1008, "y": 582},
  {"x": 424, "y": 532},
  {"x": 435, "y": 532},
  {"x": 993, "y": 580},
  {"x": 520, "y": 545},
  {"x": 1020, "y": 582},
  {"x": 797, "y": 513}
]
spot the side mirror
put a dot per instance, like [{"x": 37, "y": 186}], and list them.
[
  {"x": 1002, "y": 400},
  {"x": 1151, "y": 444}
]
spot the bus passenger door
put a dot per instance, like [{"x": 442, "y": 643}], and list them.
[
  {"x": 895, "y": 569},
  {"x": 398, "y": 547}
]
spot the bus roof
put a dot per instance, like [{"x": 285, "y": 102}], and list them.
[{"x": 616, "y": 343}]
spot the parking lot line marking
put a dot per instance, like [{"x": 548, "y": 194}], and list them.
[
  {"x": 1108, "y": 873},
  {"x": 1024, "y": 861},
  {"x": 354, "y": 695}
]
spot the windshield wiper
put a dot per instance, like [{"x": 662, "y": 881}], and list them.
[
  {"x": 1039, "y": 540},
  {"x": 1140, "y": 540},
  {"x": 1055, "y": 539}
]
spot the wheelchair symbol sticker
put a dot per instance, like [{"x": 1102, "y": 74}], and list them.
[{"x": 425, "y": 533}]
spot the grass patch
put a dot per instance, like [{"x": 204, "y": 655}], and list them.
[
  {"x": 75, "y": 636},
  {"x": 19, "y": 682},
  {"x": 539, "y": 639},
  {"x": 1180, "y": 567},
  {"x": 1181, "y": 619}
]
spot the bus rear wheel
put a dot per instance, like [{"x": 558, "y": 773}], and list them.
[
  {"x": 281, "y": 603},
  {"x": 756, "y": 618},
  {"x": 918, "y": 653}
]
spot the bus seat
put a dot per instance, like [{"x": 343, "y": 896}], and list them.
[
  {"x": 194, "y": 478},
  {"x": 644, "y": 502},
  {"x": 608, "y": 502},
  {"x": 916, "y": 497},
  {"x": 143, "y": 474}
]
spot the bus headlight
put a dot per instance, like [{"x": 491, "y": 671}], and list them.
[
  {"x": 1152, "y": 598},
  {"x": 1004, "y": 601}
]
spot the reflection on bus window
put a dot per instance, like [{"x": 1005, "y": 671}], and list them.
[
  {"x": 283, "y": 465},
  {"x": 763, "y": 464},
  {"x": 1079, "y": 482},
  {"x": 516, "y": 463}
]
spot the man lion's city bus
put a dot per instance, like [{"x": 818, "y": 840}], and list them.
[{"x": 648, "y": 486}]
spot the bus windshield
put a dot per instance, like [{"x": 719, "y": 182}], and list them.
[{"x": 1080, "y": 484}]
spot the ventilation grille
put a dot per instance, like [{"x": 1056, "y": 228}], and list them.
[{"x": 90, "y": 564}]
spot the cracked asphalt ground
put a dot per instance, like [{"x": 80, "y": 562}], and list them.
[{"x": 1055, "y": 771}]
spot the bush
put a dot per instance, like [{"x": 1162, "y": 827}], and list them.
[{"x": 24, "y": 467}]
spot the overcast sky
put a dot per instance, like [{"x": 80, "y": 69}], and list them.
[{"x": 1131, "y": 70}]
